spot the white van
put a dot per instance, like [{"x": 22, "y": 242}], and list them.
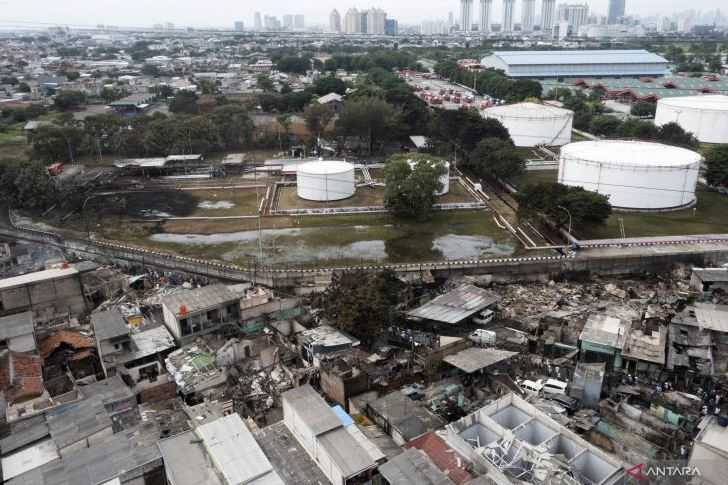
[
  {"x": 482, "y": 337},
  {"x": 554, "y": 386},
  {"x": 484, "y": 317},
  {"x": 532, "y": 387}
]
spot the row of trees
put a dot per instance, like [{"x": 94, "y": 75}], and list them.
[
  {"x": 590, "y": 116},
  {"x": 563, "y": 204},
  {"x": 491, "y": 82},
  {"x": 227, "y": 127}
]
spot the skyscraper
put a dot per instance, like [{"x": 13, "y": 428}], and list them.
[
  {"x": 239, "y": 26},
  {"x": 547, "y": 14},
  {"x": 258, "y": 21},
  {"x": 352, "y": 21},
  {"x": 335, "y": 21},
  {"x": 288, "y": 22},
  {"x": 575, "y": 15},
  {"x": 466, "y": 15},
  {"x": 299, "y": 22},
  {"x": 376, "y": 20},
  {"x": 528, "y": 15},
  {"x": 615, "y": 12},
  {"x": 508, "y": 6},
  {"x": 485, "y": 6}
]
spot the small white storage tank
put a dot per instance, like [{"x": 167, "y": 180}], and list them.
[
  {"x": 636, "y": 175},
  {"x": 706, "y": 116},
  {"x": 531, "y": 124},
  {"x": 325, "y": 180},
  {"x": 444, "y": 178}
]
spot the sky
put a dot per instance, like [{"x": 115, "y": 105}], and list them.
[{"x": 222, "y": 13}]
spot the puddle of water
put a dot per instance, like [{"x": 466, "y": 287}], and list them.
[
  {"x": 155, "y": 214},
  {"x": 218, "y": 204},
  {"x": 327, "y": 245}
]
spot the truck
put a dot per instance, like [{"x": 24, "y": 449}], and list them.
[{"x": 482, "y": 337}]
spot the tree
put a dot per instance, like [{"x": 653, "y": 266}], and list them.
[
  {"x": 69, "y": 100},
  {"x": 184, "y": 102},
  {"x": 641, "y": 130},
  {"x": 264, "y": 82},
  {"x": 495, "y": 158},
  {"x": 563, "y": 204},
  {"x": 361, "y": 303},
  {"x": 150, "y": 70},
  {"x": 72, "y": 75},
  {"x": 317, "y": 117},
  {"x": 284, "y": 121},
  {"x": 673, "y": 134},
  {"x": 463, "y": 129},
  {"x": 54, "y": 143},
  {"x": 716, "y": 160},
  {"x": 604, "y": 125},
  {"x": 112, "y": 94},
  {"x": 371, "y": 119},
  {"x": 26, "y": 185},
  {"x": 295, "y": 64},
  {"x": 643, "y": 109},
  {"x": 411, "y": 185},
  {"x": 329, "y": 84},
  {"x": 23, "y": 87}
]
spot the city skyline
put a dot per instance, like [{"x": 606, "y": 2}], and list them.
[{"x": 220, "y": 13}]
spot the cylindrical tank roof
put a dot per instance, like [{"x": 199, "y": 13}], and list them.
[
  {"x": 708, "y": 102},
  {"x": 324, "y": 167},
  {"x": 528, "y": 110},
  {"x": 630, "y": 153}
]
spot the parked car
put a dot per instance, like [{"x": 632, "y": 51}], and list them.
[
  {"x": 554, "y": 386},
  {"x": 484, "y": 317},
  {"x": 567, "y": 402},
  {"x": 482, "y": 337},
  {"x": 532, "y": 387}
]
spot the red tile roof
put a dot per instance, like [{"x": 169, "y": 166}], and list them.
[
  {"x": 21, "y": 376},
  {"x": 69, "y": 337},
  {"x": 445, "y": 458}
]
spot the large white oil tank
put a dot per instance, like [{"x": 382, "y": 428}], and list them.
[
  {"x": 636, "y": 175},
  {"x": 706, "y": 116},
  {"x": 325, "y": 180},
  {"x": 444, "y": 178},
  {"x": 531, "y": 124}
]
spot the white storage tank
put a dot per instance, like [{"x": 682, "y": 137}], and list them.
[
  {"x": 325, "y": 180},
  {"x": 636, "y": 175},
  {"x": 444, "y": 178},
  {"x": 531, "y": 124},
  {"x": 706, "y": 116}
]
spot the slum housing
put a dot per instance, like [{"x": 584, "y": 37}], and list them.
[{"x": 148, "y": 378}]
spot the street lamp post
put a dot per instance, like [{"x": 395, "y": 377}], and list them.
[{"x": 567, "y": 211}]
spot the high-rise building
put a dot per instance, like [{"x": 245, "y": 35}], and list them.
[
  {"x": 508, "y": 7},
  {"x": 450, "y": 21},
  {"x": 485, "y": 7},
  {"x": 434, "y": 27},
  {"x": 299, "y": 22},
  {"x": 239, "y": 26},
  {"x": 547, "y": 15},
  {"x": 352, "y": 21},
  {"x": 258, "y": 21},
  {"x": 376, "y": 20},
  {"x": 528, "y": 15},
  {"x": 335, "y": 21},
  {"x": 271, "y": 23},
  {"x": 288, "y": 22},
  {"x": 615, "y": 12},
  {"x": 391, "y": 27},
  {"x": 575, "y": 15},
  {"x": 466, "y": 15}
]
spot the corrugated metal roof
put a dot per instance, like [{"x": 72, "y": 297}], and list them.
[
  {"x": 235, "y": 452},
  {"x": 413, "y": 467},
  {"x": 638, "y": 56},
  {"x": 346, "y": 452},
  {"x": 605, "y": 330},
  {"x": 474, "y": 359},
  {"x": 712, "y": 317},
  {"x": 456, "y": 305},
  {"x": 312, "y": 409},
  {"x": 29, "y": 278},
  {"x": 200, "y": 299},
  {"x": 711, "y": 274}
]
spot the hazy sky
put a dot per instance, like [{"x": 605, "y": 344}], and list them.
[{"x": 223, "y": 13}]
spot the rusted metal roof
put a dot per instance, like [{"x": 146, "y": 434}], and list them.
[{"x": 456, "y": 305}]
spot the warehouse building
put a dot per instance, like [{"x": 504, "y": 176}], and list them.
[{"x": 577, "y": 63}]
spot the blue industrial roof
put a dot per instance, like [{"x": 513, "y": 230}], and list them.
[
  {"x": 345, "y": 419},
  {"x": 640, "y": 56}
]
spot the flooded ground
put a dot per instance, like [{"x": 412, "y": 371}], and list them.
[{"x": 457, "y": 238}]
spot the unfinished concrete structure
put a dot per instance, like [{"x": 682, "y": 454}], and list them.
[
  {"x": 511, "y": 440},
  {"x": 53, "y": 294}
]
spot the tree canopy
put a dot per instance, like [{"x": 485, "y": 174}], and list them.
[
  {"x": 361, "y": 303},
  {"x": 558, "y": 201},
  {"x": 410, "y": 190},
  {"x": 69, "y": 100},
  {"x": 495, "y": 158},
  {"x": 716, "y": 160},
  {"x": 464, "y": 129},
  {"x": 370, "y": 119}
]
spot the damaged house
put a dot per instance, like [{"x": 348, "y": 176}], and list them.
[
  {"x": 463, "y": 305},
  {"x": 698, "y": 340}
]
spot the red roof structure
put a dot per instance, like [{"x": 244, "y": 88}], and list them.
[
  {"x": 445, "y": 458},
  {"x": 21, "y": 376},
  {"x": 70, "y": 338}
]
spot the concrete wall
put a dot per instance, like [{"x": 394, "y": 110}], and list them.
[{"x": 45, "y": 298}]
